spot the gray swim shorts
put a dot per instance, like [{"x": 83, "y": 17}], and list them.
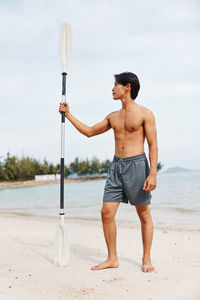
[{"x": 125, "y": 180}]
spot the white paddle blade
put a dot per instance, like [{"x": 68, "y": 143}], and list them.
[
  {"x": 61, "y": 246},
  {"x": 65, "y": 44}
]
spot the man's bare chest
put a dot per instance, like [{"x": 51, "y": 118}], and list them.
[{"x": 126, "y": 122}]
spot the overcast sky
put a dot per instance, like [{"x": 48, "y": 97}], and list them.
[{"x": 157, "y": 40}]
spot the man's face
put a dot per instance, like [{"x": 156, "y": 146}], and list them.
[{"x": 118, "y": 91}]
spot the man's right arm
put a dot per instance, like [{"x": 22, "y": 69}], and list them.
[{"x": 88, "y": 131}]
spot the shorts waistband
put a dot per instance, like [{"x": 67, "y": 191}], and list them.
[{"x": 130, "y": 158}]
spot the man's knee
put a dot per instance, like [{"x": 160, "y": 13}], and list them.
[
  {"x": 144, "y": 214},
  {"x": 106, "y": 215}
]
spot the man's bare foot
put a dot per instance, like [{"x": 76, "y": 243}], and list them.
[
  {"x": 108, "y": 263},
  {"x": 146, "y": 265}
]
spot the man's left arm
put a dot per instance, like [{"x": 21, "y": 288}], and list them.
[{"x": 151, "y": 136}]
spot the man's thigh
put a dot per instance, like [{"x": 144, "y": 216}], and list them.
[{"x": 133, "y": 180}]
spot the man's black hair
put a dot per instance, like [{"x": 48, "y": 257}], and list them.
[{"x": 128, "y": 77}]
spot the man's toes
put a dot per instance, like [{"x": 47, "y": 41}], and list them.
[
  {"x": 147, "y": 268},
  {"x": 151, "y": 269},
  {"x": 98, "y": 267},
  {"x": 144, "y": 269}
]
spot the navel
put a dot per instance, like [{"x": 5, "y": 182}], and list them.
[{"x": 122, "y": 147}]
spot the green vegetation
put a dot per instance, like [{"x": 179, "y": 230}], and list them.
[
  {"x": 13, "y": 168},
  {"x": 159, "y": 166}
]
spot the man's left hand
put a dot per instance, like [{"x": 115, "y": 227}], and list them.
[{"x": 150, "y": 183}]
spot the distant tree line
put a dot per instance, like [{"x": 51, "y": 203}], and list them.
[
  {"x": 159, "y": 166},
  {"x": 12, "y": 168}
]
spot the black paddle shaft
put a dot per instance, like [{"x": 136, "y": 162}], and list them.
[{"x": 64, "y": 74}]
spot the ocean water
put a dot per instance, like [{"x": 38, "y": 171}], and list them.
[{"x": 175, "y": 202}]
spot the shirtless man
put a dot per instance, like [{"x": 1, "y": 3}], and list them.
[{"x": 130, "y": 179}]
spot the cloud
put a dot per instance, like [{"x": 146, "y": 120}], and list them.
[{"x": 158, "y": 41}]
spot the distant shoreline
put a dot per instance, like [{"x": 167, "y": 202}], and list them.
[{"x": 27, "y": 183}]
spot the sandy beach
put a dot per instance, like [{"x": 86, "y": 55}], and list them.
[
  {"x": 27, "y": 269},
  {"x": 26, "y": 183}
]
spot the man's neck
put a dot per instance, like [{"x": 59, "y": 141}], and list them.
[{"x": 127, "y": 102}]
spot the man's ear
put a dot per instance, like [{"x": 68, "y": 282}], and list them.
[{"x": 128, "y": 86}]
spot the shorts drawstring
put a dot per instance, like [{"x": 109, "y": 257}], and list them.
[{"x": 121, "y": 165}]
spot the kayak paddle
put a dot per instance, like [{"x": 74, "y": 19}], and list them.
[{"x": 62, "y": 237}]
